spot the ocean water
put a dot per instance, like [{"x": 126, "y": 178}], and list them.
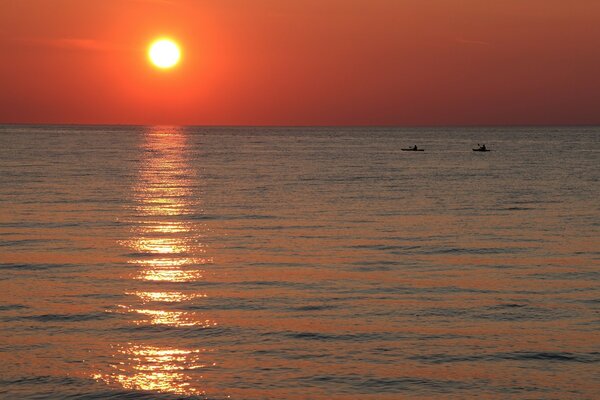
[{"x": 299, "y": 263}]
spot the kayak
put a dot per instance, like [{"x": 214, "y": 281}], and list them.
[
  {"x": 412, "y": 149},
  {"x": 481, "y": 150}
]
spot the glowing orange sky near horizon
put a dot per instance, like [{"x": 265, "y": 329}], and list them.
[{"x": 271, "y": 62}]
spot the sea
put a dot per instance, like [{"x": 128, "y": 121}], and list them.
[{"x": 299, "y": 263}]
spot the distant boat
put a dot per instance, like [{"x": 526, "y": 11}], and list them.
[
  {"x": 481, "y": 148},
  {"x": 413, "y": 149}
]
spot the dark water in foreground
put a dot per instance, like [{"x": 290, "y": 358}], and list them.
[{"x": 299, "y": 263}]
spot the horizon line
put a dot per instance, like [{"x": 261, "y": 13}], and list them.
[{"x": 302, "y": 125}]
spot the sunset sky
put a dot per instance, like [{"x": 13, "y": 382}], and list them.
[{"x": 302, "y": 62}]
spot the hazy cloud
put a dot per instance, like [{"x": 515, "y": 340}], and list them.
[{"x": 70, "y": 43}]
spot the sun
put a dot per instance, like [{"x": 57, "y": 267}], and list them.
[{"x": 164, "y": 53}]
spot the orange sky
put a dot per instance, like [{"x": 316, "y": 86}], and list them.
[{"x": 302, "y": 62}]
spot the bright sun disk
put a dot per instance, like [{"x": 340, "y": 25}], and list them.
[{"x": 164, "y": 53}]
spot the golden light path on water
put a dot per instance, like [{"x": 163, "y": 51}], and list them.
[
  {"x": 165, "y": 297},
  {"x": 166, "y": 251},
  {"x": 157, "y": 369}
]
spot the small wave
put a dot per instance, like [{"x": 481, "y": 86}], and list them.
[
  {"x": 404, "y": 249},
  {"x": 34, "y": 267},
  {"x": 287, "y": 227},
  {"x": 9, "y": 307},
  {"x": 376, "y": 265},
  {"x": 508, "y": 305},
  {"x": 67, "y": 317},
  {"x": 230, "y": 217},
  {"x": 13, "y": 348},
  {"x": 351, "y": 337},
  {"x": 313, "y": 307},
  {"x": 383, "y": 247},
  {"x": 26, "y": 242},
  {"x": 298, "y": 285},
  {"x": 43, "y": 379},
  {"x": 370, "y": 384},
  {"x": 456, "y": 289},
  {"x": 372, "y": 268},
  {"x": 38, "y": 224},
  {"x": 593, "y": 357},
  {"x": 228, "y": 304},
  {"x": 521, "y": 313},
  {"x": 481, "y": 250},
  {"x": 170, "y": 331},
  {"x": 72, "y": 388},
  {"x": 571, "y": 275}
]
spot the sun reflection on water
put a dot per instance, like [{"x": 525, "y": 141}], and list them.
[
  {"x": 166, "y": 249},
  {"x": 167, "y": 227},
  {"x": 168, "y": 317},
  {"x": 173, "y": 318},
  {"x": 166, "y": 297},
  {"x": 169, "y": 275},
  {"x": 158, "y": 369},
  {"x": 159, "y": 246}
]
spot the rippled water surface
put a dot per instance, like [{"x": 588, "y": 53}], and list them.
[{"x": 255, "y": 263}]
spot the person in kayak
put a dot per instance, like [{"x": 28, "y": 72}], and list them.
[{"x": 414, "y": 147}]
